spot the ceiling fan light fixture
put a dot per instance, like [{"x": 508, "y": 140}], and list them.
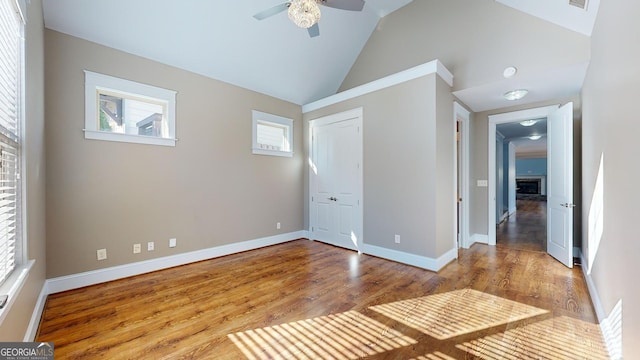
[
  {"x": 304, "y": 13},
  {"x": 535, "y": 137},
  {"x": 516, "y": 94}
]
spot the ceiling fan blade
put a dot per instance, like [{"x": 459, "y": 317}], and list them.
[
  {"x": 351, "y": 5},
  {"x": 272, "y": 11},
  {"x": 314, "y": 30}
]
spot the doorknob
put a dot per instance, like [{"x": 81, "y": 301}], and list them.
[
  {"x": 333, "y": 198},
  {"x": 567, "y": 205}
]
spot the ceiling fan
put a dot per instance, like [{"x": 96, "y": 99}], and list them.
[{"x": 306, "y": 13}]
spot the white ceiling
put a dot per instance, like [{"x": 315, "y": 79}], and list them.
[
  {"x": 555, "y": 83},
  {"x": 560, "y": 12},
  {"x": 517, "y": 134},
  {"x": 222, "y": 40}
]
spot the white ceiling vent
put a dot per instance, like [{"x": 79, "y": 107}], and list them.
[{"x": 582, "y": 4}]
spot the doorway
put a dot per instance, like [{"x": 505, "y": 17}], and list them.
[
  {"x": 560, "y": 176},
  {"x": 521, "y": 172}
]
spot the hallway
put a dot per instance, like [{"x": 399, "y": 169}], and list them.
[{"x": 526, "y": 229}]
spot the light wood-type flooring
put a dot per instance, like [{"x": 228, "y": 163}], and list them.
[
  {"x": 309, "y": 300},
  {"x": 526, "y": 229}
]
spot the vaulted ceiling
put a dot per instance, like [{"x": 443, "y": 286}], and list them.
[{"x": 222, "y": 40}]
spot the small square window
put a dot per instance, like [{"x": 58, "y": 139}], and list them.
[
  {"x": 126, "y": 111},
  {"x": 272, "y": 134}
]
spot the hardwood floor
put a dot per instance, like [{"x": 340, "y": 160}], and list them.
[
  {"x": 526, "y": 229},
  {"x": 308, "y": 300}
]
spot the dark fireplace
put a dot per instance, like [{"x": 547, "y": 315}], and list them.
[{"x": 528, "y": 186}]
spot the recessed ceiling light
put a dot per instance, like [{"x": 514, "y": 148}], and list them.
[
  {"x": 528, "y": 122},
  {"x": 535, "y": 137},
  {"x": 509, "y": 72},
  {"x": 515, "y": 94}
]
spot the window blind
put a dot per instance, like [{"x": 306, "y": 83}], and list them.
[
  {"x": 10, "y": 107},
  {"x": 272, "y": 136}
]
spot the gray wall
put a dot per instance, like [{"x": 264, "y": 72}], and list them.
[
  {"x": 207, "y": 191},
  {"x": 408, "y": 165},
  {"x": 610, "y": 129},
  {"x": 14, "y": 326}
]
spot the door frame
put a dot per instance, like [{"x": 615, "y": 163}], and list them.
[
  {"x": 514, "y": 116},
  {"x": 356, "y": 114},
  {"x": 462, "y": 115}
]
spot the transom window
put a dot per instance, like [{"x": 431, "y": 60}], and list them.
[
  {"x": 272, "y": 134},
  {"x": 126, "y": 111}
]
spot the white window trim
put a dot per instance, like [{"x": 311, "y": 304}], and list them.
[
  {"x": 14, "y": 283},
  {"x": 95, "y": 82},
  {"x": 262, "y": 116}
]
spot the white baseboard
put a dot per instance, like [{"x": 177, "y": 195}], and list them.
[
  {"x": 69, "y": 282},
  {"x": 477, "y": 238},
  {"x": 608, "y": 324},
  {"x": 593, "y": 292},
  {"x": 32, "y": 330},
  {"x": 411, "y": 259}
]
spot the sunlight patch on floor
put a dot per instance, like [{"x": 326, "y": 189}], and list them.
[
  {"x": 348, "y": 335},
  {"x": 435, "y": 356},
  {"x": 455, "y": 313},
  {"x": 560, "y": 338}
]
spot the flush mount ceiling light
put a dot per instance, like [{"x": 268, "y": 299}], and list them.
[
  {"x": 509, "y": 72},
  {"x": 528, "y": 122},
  {"x": 535, "y": 137},
  {"x": 304, "y": 13},
  {"x": 515, "y": 94}
]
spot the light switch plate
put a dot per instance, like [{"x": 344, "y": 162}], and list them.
[{"x": 483, "y": 183}]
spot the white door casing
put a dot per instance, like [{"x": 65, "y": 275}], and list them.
[
  {"x": 461, "y": 115},
  {"x": 335, "y": 181},
  {"x": 560, "y": 184},
  {"x": 535, "y": 113}
]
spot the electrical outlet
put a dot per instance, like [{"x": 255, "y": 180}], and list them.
[
  {"x": 137, "y": 248},
  {"x": 173, "y": 242},
  {"x": 101, "y": 254},
  {"x": 150, "y": 246},
  {"x": 483, "y": 183},
  {"x": 277, "y": 226},
  {"x": 397, "y": 239}
]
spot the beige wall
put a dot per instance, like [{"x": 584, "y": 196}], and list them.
[
  {"x": 473, "y": 39},
  {"x": 610, "y": 129},
  {"x": 14, "y": 326},
  {"x": 407, "y": 165},
  {"x": 207, "y": 191}
]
